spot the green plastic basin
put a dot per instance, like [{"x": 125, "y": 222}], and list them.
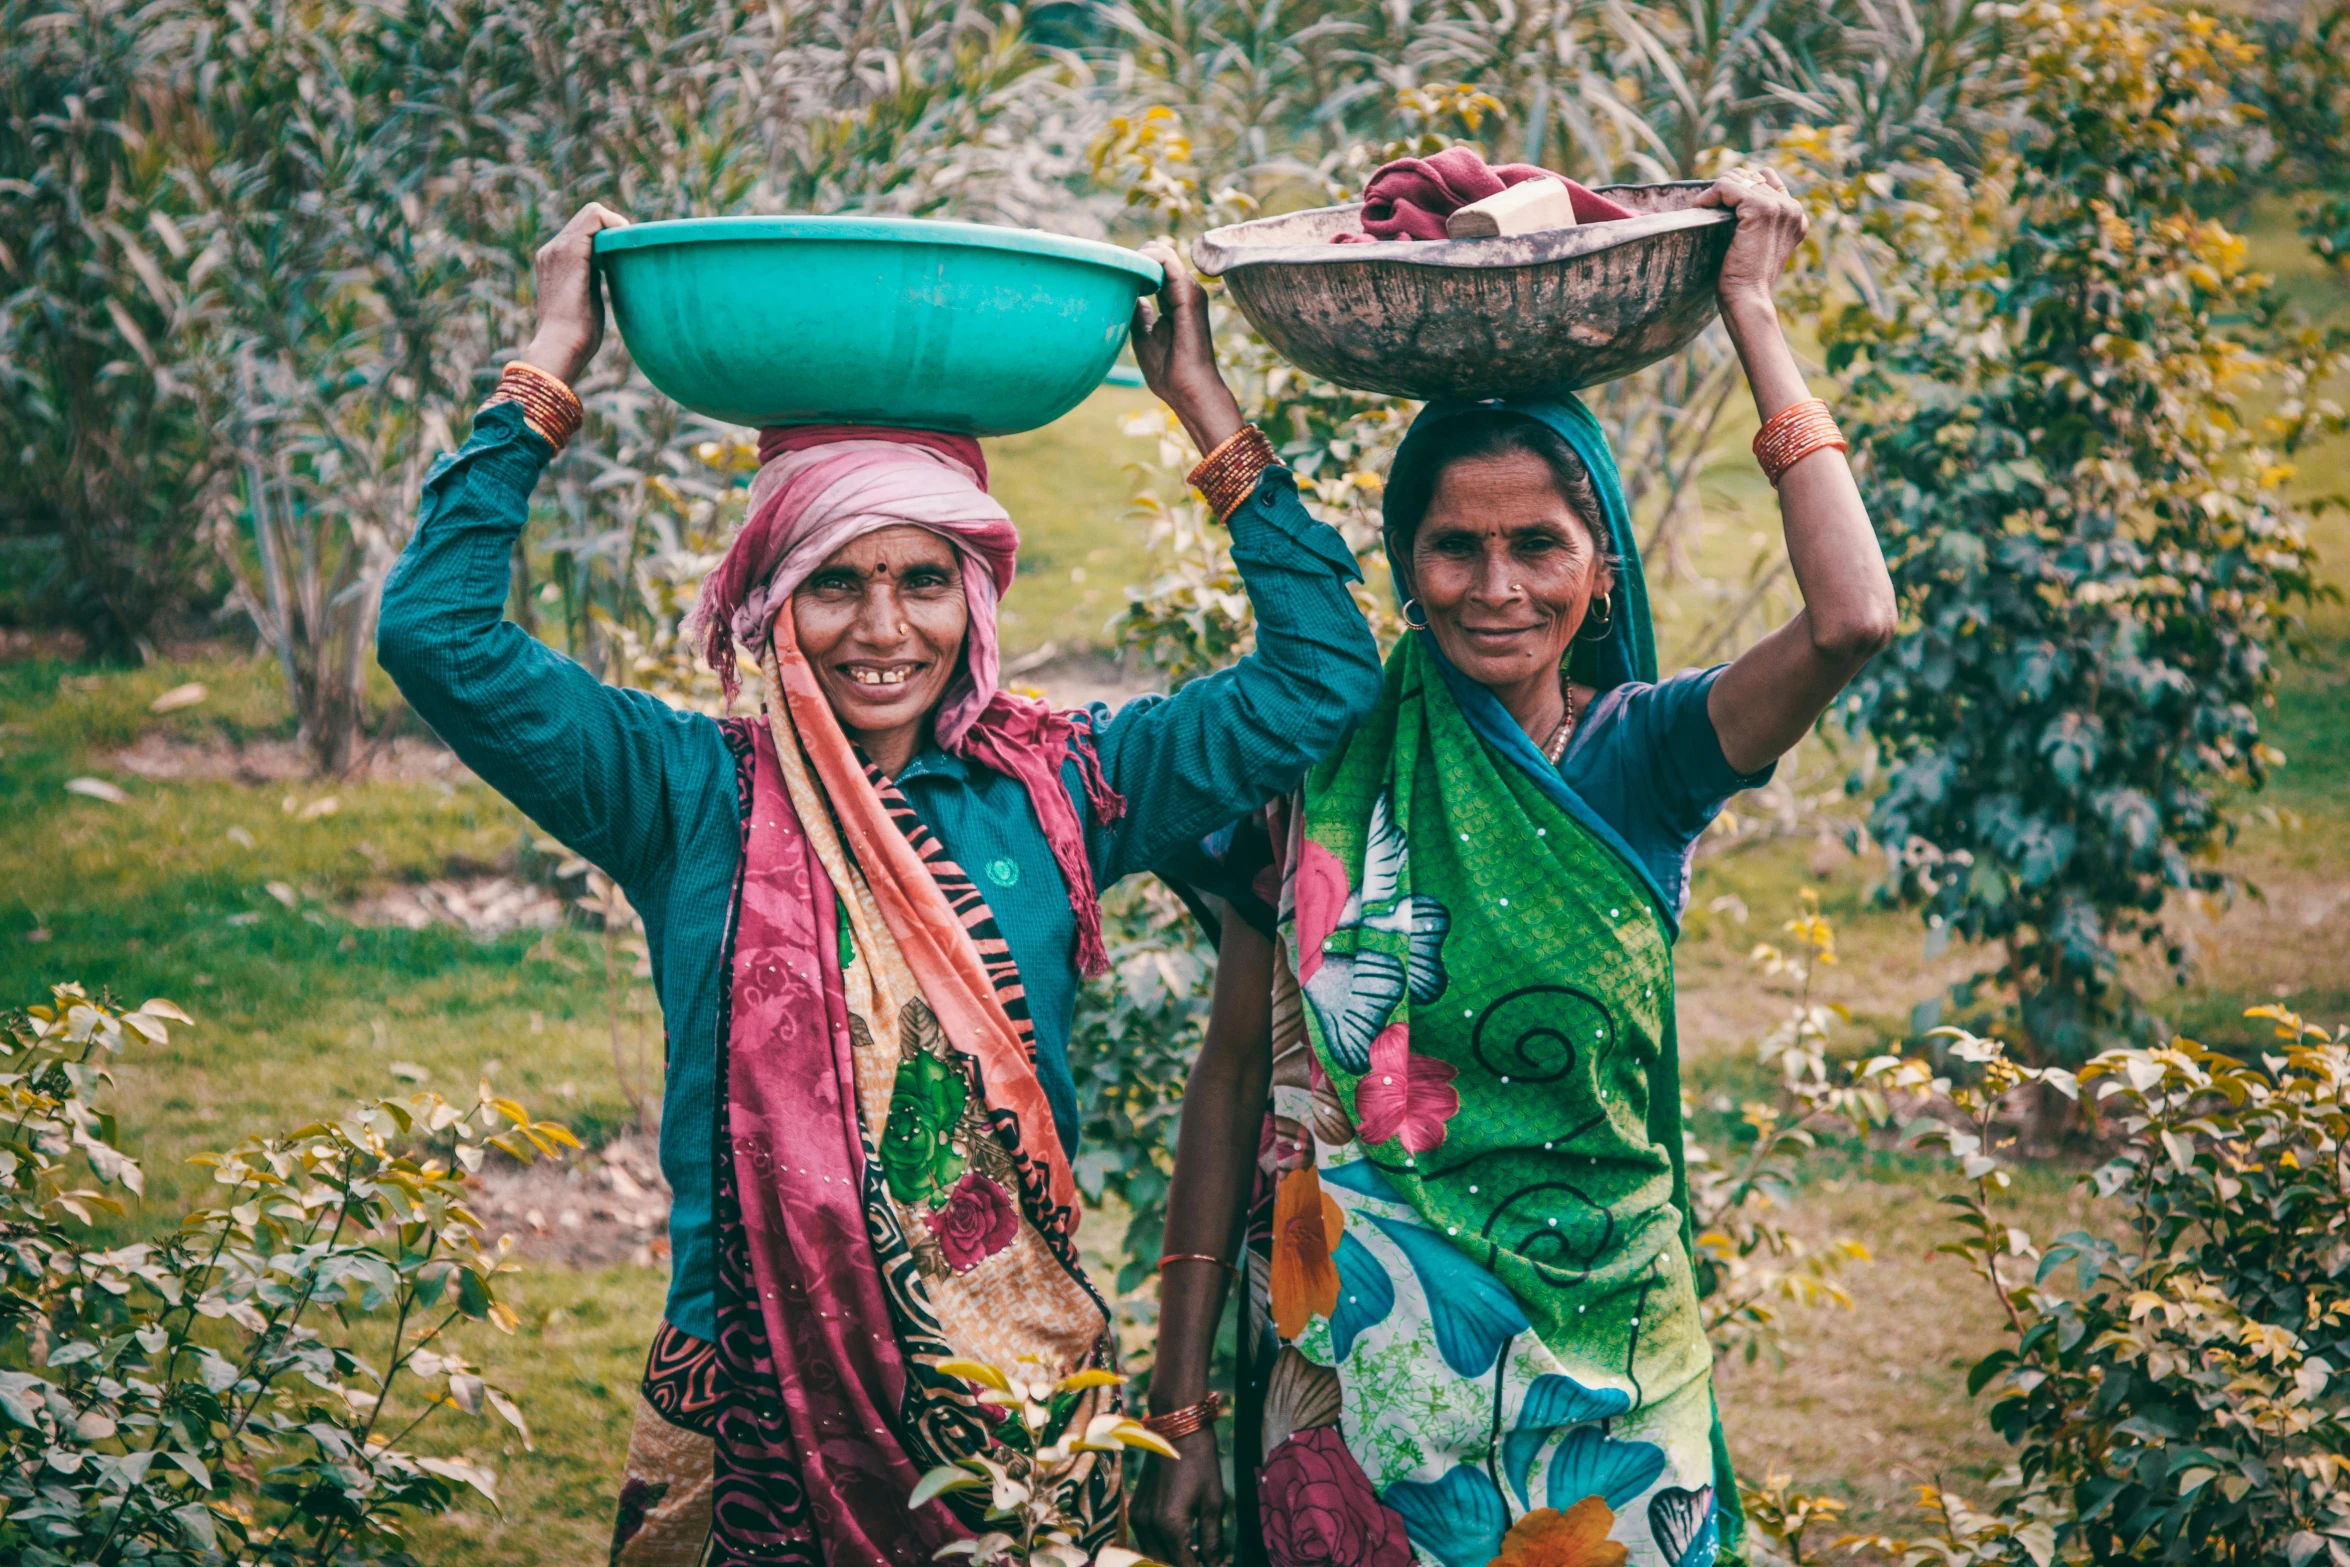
[{"x": 899, "y": 321}]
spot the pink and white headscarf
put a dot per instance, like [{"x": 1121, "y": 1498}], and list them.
[{"x": 821, "y": 487}]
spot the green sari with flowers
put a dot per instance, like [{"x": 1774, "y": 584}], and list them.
[{"x": 1472, "y": 1328}]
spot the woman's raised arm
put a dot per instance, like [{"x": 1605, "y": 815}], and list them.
[
  {"x": 1227, "y": 743},
  {"x": 589, "y": 762},
  {"x": 1774, "y": 691}
]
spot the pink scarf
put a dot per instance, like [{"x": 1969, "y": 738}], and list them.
[
  {"x": 820, "y": 487},
  {"x": 1411, "y": 197}
]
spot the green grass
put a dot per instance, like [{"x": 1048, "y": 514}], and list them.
[
  {"x": 577, "y": 1359},
  {"x": 298, "y": 1008},
  {"x": 1069, "y": 488}
]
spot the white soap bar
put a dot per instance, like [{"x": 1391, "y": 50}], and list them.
[{"x": 1528, "y": 207}]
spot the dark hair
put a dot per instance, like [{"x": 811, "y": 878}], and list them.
[{"x": 1480, "y": 433}]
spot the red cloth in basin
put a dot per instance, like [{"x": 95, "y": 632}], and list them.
[{"x": 1411, "y": 197}]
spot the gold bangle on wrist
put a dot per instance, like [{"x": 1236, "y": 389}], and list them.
[
  {"x": 1191, "y": 1417},
  {"x": 1794, "y": 433},
  {"x": 548, "y": 406},
  {"x": 1229, "y": 474}
]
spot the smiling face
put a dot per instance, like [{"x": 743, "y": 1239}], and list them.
[
  {"x": 882, "y": 623},
  {"x": 1504, "y": 569}
]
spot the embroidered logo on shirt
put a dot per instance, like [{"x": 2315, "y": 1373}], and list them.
[{"x": 1003, "y": 872}]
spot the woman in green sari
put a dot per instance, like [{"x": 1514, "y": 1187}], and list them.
[{"x": 1470, "y": 1330}]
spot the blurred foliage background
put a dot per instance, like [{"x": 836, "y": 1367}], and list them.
[
  {"x": 2075, "y": 285},
  {"x": 260, "y": 262}
]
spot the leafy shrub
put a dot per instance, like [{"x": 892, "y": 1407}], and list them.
[
  {"x": 104, "y": 427},
  {"x": 1748, "y": 1263},
  {"x": 240, "y": 1391},
  {"x": 2094, "y": 547},
  {"x": 2302, "y": 91},
  {"x": 1137, "y": 1032},
  {"x": 1033, "y": 1459},
  {"x": 2173, "y": 1387}
]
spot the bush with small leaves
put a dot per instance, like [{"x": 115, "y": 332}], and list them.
[
  {"x": 1140, "y": 1025},
  {"x": 1036, "y": 1455},
  {"x": 1748, "y": 1261},
  {"x": 2173, "y": 1387},
  {"x": 2092, "y": 534},
  {"x": 240, "y": 1391},
  {"x": 2302, "y": 90}
]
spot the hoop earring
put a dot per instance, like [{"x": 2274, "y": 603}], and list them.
[
  {"x": 1607, "y": 620},
  {"x": 1408, "y": 606}
]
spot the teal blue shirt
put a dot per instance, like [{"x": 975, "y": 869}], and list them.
[{"x": 646, "y": 793}]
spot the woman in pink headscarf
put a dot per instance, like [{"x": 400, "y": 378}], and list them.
[{"x": 868, "y": 909}]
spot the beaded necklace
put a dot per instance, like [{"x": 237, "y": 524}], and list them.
[{"x": 1556, "y": 746}]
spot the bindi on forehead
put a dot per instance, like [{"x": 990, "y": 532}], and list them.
[{"x": 898, "y": 549}]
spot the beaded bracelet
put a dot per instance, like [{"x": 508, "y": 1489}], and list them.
[
  {"x": 1191, "y": 1417},
  {"x": 1229, "y": 474},
  {"x": 548, "y": 406},
  {"x": 1794, "y": 433}
]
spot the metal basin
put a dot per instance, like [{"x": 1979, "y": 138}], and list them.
[
  {"x": 899, "y": 321},
  {"x": 1530, "y": 316}
]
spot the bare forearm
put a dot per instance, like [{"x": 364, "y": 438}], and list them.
[
  {"x": 1847, "y": 596},
  {"x": 1765, "y": 701},
  {"x": 1213, "y": 1164},
  {"x": 1215, "y": 1159},
  {"x": 1772, "y": 374}
]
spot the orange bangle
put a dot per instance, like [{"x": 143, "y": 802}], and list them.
[
  {"x": 548, "y": 406},
  {"x": 1794, "y": 433},
  {"x": 1229, "y": 474}
]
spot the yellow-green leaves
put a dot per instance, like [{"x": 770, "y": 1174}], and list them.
[
  {"x": 939, "y": 1481},
  {"x": 1031, "y": 1464},
  {"x": 225, "y": 1387},
  {"x": 1109, "y": 1433},
  {"x": 2094, "y": 545},
  {"x": 976, "y": 1371},
  {"x": 1088, "y": 1378},
  {"x": 2180, "y": 1372},
  {"x": 1749, "y": 1261}
]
